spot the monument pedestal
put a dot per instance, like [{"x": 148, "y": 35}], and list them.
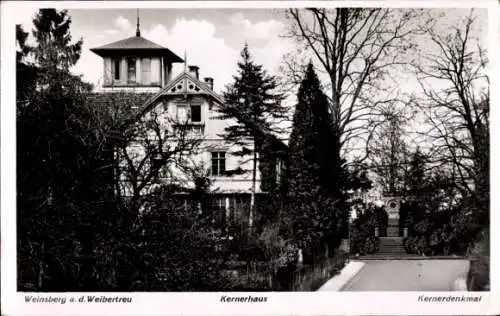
[
  {"x": 393, "y": 227},
  {"x": 392, "y": 206}
]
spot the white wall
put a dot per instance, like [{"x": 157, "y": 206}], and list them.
[{"x": 211, "y": 141}]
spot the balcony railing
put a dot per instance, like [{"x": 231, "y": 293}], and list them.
[{"x": 189, "y": 129}]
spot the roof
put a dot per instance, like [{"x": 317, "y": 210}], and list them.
[
  {"x": 118, "y": 106},
  {"x": 204, "y": 88},
  {"x": 132, "y": 105},
  {"x": 136, "y": 44},
  {"x": 186, "y": 78}
]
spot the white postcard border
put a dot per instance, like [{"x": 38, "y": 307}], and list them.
[{"x": 315, "y": 303}]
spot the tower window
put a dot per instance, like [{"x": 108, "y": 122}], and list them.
[
  {"x": 116, "y": 69},
  {"x": 146, "y": 71},
  {"x": 131, "y": 70},
  {"x": 218, "y": 163}
]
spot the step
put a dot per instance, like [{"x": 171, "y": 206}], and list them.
[
  {"x": 391, "y": 239},
  {"x": 392, "y": 249}
]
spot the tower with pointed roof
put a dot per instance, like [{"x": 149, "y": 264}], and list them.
[{"x": 135, "y": 63}]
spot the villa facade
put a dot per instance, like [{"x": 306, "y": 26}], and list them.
[{"x": 182, "y": 106}]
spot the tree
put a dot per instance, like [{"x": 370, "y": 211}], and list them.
[
  {"x": 26, "y": 73},
  {"x": 59, "y": 173},
  {"x": 416, "y": 177},
  {"x": 54, "y": 49},
  {"x": 318, "y": 181},
  {"x": 357, "y": 48},
  {"x": 387, "y": 152},
  {"x": 313, "y": 165},
  {"x": 74, "y": 233},
  {"x": 152, "y": 149},
  {"x": 252, "y": 97},
  {"x": 456, "y": 105}
]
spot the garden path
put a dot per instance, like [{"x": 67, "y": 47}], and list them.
[{"x": 408, "y": 275}]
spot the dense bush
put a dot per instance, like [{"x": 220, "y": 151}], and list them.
[
  {"x": 176, "y": 250},
  {"x": 479, "y": 254},
  {"x": 363, "y": 240},
  {"x": 443, "y": 232}
]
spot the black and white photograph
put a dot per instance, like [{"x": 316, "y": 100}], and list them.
[{"x": 286, "y": 148}]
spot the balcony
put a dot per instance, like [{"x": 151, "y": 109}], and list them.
[{"x": 190, "y": 129}]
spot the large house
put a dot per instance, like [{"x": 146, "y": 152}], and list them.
[{"x": 180, "y": 119}]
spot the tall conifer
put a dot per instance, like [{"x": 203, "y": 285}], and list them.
[
  {"x": 254, "y": 97},
  {"x": 313, "y": 165}
]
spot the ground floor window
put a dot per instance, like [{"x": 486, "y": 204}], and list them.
[{"x": 218, "y": 163}]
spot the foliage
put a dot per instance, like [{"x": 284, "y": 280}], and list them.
[
  {"x": 272, "y": 164},
  {"x": 362, "y": 234},
  {"x": 251, "y": 97},
  {"x": 416, "y": 177},
  {"x": 54, "y": 49},
  {"x": 73, "y": 235},
  {"x": 359, "y": 51},
  {"x": 176, "y": 250},
  {"x": 154, "y": 149},
  {"x": 278, "y": 252},
  {"x": 479, "y": 272},
  {"x": 438, "y": 218},
  {"x": 448, "y": 231},
  {"x": 388, "y": 151},
  {"x": 65, "y": 208},
  {"x": 313, "y": 164},
  {"x": 456, "y": 106},
  {"x": 317, "y": 181}
]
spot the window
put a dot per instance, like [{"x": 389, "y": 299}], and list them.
[
  {"x": 195, "y": 113},
  {"x": 116, "y": 69},
  {"x": 218, "y": 163},
  {"x": 146, "y": 71},
  {"x": 131, "y": 70}
]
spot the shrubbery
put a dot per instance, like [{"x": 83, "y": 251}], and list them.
[
  {"x": 479, "y": 273},
  {"x": 442, "y": 232},
  {"x": 363, "y": 239}
]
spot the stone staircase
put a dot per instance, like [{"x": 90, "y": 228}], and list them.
[{"x": 391, "y": 247}]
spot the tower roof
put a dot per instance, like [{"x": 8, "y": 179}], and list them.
[{"x": 136, "y": 45}]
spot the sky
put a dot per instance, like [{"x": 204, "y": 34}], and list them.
[{"x": 211, "y": 38}]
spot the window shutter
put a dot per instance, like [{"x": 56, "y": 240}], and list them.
[
  {"x": 107, "y": 71},
  {"x": 155, "y": 71}
]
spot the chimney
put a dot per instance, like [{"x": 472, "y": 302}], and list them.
[
  {"x": 193, "y": 71},
  {"x": 210, "y": 82}
]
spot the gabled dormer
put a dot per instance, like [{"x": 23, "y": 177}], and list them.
[
  {"x": 136, "y": 62},
  {"x": 191, "y": 102}
]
